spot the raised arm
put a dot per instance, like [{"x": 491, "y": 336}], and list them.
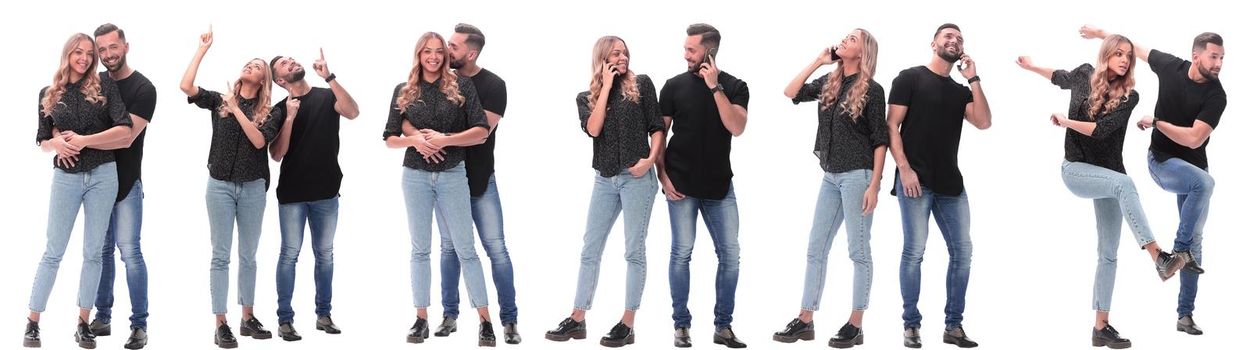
[
  {"x": 344, "y": 104},
  {"x": 1091, "y": 32},
  {"x": 1027, "y": 63},
  {"x": 188, "y": 79},
  {"x": 796, "y": 84}
]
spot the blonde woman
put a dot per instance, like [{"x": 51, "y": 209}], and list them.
[
  {"x": 445, "y": 110},
  {"x": 851, "y": 139},
  {"x": 79, "y": 116},
  {"x": 621, "y": 113},
  {"x": 1098, "y": 115},
  {"x": 238, "y": 168}
]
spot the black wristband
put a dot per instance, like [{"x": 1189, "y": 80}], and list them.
[
  {"x": 331, "y": 77},
  {"x": 974, "y": 79}
]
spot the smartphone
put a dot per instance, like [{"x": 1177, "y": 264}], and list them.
[
  {"x": 833, "y": 52},
  {"x": 711, "y": 54},
  {"x": 615, "y": 68}
]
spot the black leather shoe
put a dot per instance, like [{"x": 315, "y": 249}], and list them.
[
  {"x": 31, "y": 340},
  {"x": 510, "y": 334},
  {"x": 224, "y": 338},
  {"x": 681, "y": 337},
  {"x": 100, "y": 329},
  {"x": 725, "y": 336},
  {"x": 252, "y": 328},
  {"x": 324, "y": 323},
  {"x": 568, "y": 329},
  {"x": 620, "y": 335},
  {"x": 796, "y": 330},
  {"x": 137, "y": 340},
  {"x": 1167, "y": 265},
  {"x": 1186, "y": 324},
  {"x": 446, "y": 328},
  {"x": 486, "y": 334},
  {"x": 419, "y": 332},
  {"x": 83, "y": 336},
  {"x": 847, "y": 336},
  {"x": 287, "y": 332},
  {"x": 911, "y": 338},
  {"x": 958, "y": 337},
  {"x": 1110, "y": 338},
  {"x": 1191, "y": 265}
]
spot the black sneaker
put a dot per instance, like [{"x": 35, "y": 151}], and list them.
[
  {"x": 911, "y": 338},
  {"x": 1186, "y": 324},
  {"x": 958, "y": 337},
  {"x": 419, "y": 331},
  {"x": 847, "y": 336},
  {"x": 796, "y": 330},
  {"x": 324, "y": 323},
  {"x": 681, "y": 337},
  {"x": 568, "y": 329},
  {"x": 287, "y": 332},
  {"x": 620, "y": 335},
  {"x": 1167, "y": 265},
  {"x": 83, "y": 335},
  {"x": 1191, "y": 265},
  {"x": 725, "y": 336},
  {"x": 446, "y": 328},
  {"x": 252, "y": 328},
  {"x": 224, "y": 338},
  {"x": 100, "y": 329},
  {"x": 486, "y": 334},
  {"x": 137, "y": 340},
  {"x": 31, "y": 340},
  {"x": 510, "y": 334},
  {"x": 1110, "y": 338}
]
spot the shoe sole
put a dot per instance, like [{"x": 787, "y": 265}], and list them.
[
  {"x": 510, "y": 340},
  {"x": 1101, "y": 343},
  {"x": 858, "y": 340},
  {"x": 1186, "y": 331},
  {"x": 486, "y": 343},
  {"x": 415, "y": 340},
  {"x": 1172, "y": 269},
  {"x": 912, "y": 346},
  {"x": 136, "y": 347},
  {"x": 579, "y": 335},
  {"x": 953, "y": 341},
  {"x": 88, "y": 344},
  {"x": 254, "y": 334},
  {"x": 292, "y": 338},
  {"x": 629, "y": 339},
  {"x": 805, "y": 335},
  {"x": 329, "y": 330},
  {"x": 225, "y": 345},
  {"x": 32, "y": 343}
]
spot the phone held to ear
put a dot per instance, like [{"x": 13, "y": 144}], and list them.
[
  {"x": 711, "y": 55},
  {"x": 833, "y": 52}
]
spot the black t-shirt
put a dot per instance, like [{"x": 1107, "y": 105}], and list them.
[
  {"x": 310, "y": 168},
  {"x": 1181, "y": 102},
  {"x": 140, "y": 98},
  {"x": 697, "y": 158},
  {"x": 931, "y": 129},
  {"x": 479, "y": 161}
]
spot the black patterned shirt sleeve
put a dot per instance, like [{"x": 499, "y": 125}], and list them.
[
  {"x": 1116, "y": 120},
  {"x": 874, "y": 110},
  {"x": 206, "y": 99},
  {"x": 395, "y": 118},
  {"x": 651, "y": 106},
  {"x": 116, "y": 107},
  {"x": 45, "y": 122},
  {"x": 810, "y": 91},
  {"x": 475, "y": 116},
  {"x": 583, "y": 110}
]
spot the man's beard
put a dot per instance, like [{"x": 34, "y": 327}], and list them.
[
  {"x": 295, "y": 77},
  {"x": 457, "y": 64},
  {"x": 121, "y": 62},
  {"x": 948, "y": 56},
  {"x": 1207, "y": 73}
]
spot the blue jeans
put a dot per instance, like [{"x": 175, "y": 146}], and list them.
[
  {"x": 229, "y": 203},
  {"x": 1193, "y": 187},
  {"x": 488, "y": 215},
  {"x": 1115, "y": 201},
  {"x": 953, "y": 219},
  {"x": 123, "y": 235},
  {"x": 841, "y": 198},
  {"x": 447, "y": 190},
  {"x": 95, "y": 191},
  {"x": 612, "y": 195},
  {"x": 322, "y": 218},
  {"x": 721, "y": 218}
]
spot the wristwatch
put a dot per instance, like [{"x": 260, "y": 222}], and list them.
[
  {"x": 1154, "y": 121},
  {"x": 718, "y": 87}
]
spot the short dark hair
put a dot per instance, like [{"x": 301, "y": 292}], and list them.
[
  {"x": 1201, "y": 41},
  {"x": 710, "y": 36},
  {"x": 106, "y": 28},
  {"x": 273, "y": 67},
  {"x": 945, "y": 26},
  {"x": 475, "y": 38}
]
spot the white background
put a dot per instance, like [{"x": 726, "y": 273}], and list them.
[{"x": 1034, "y": 241}]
